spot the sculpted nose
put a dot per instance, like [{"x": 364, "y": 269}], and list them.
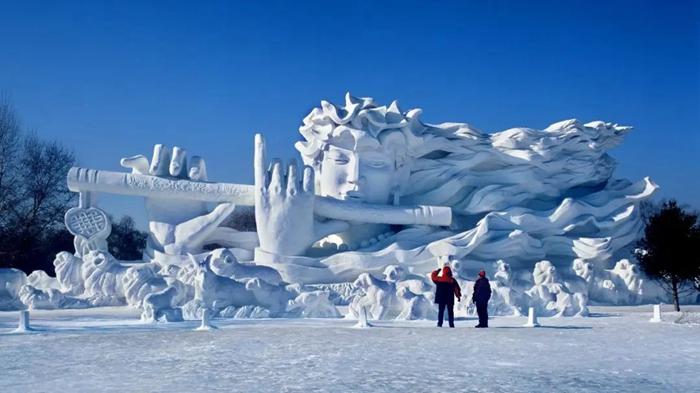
[{"x": 353, "y": 172}]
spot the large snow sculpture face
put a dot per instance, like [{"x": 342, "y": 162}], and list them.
[
  {"x": 358, "y": 167},
  {"x": 359, "y": 151}
]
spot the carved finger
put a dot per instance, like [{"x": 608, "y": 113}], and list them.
[
  {"x": 178, "y": 162},
  {"x": 198, "y": 169},
  {"x": 259, "y": 163},
  {"x": 137, "y": 164},
  {"x": 292, "y": 178},
  {"x": 308, "y": 186},
  {"x": 276, "y": 178},
  {"x": 160, "y": 160}
]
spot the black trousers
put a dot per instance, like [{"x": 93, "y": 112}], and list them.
[
  {"x": 450, "y": 313},
  {"x": 482, "y": 309}
]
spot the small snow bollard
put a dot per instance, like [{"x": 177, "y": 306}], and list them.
[
  {"x": 206, "y": 323},
  {"x": 362, "y": 321},
  {"x": 23, "y": 325},
  {"x": 657, "y": 314},
  {"x": 531, "y": 318}
]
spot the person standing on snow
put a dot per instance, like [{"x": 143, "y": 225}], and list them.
[
  {"x": 480, "y": 297},
  {"x": 446, "y": 289}
]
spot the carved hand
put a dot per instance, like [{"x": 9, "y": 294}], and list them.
[
  {"x": 177, "y": 226},
  {"x": 284, "y": 207}
]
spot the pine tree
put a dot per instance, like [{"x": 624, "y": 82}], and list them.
[{"x": 670, "y": 249}]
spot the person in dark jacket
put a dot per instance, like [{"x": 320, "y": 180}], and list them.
[
  {"x": 481, "y": 296},
  {"x": 446, "y": 289}
]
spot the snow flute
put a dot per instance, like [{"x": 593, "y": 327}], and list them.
[{"x": 92, "y": 180}]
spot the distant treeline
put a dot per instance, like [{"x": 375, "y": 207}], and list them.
[{"x": 34, "y": 198}]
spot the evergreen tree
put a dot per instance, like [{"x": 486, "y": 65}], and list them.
[
  {"x": 670, "y": 249},
  {"x": 126, "y": 242}
]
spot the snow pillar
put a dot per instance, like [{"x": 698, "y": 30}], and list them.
[
  {"x": 23, "y": 325},
  {"x": 206, "y": 323},
  {"x": 531, "y": 318},
  {"x": 657, "y": 313}
]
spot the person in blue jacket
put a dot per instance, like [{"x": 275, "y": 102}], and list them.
[{"x": 480, "y": 297}]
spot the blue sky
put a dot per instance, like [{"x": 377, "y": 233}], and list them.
[{"x": 110, "y": 79}]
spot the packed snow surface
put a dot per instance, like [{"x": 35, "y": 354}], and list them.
[{"x": 108, "y": 349}]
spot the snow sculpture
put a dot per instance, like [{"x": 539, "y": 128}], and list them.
[
  {"x": 402, "y": 279},
  {"x": 39, "y": 279},
  {"x": 89, "y": 226},
  {"x": 621, "y": 285},
  {"x": 554, "y": 297},
  {"x": 314, "y": 304},
  {"x": 140, "y": 280},
  {"x": 48, "y": 299},
  {"x": 161, "y": 306},
  {"x": 390, "y": 300},
  {"x": 11, "y": 281},
  {"x": 507, "y": 295},
  {"x": 181, "y": 226},
  {"x": 102, "y": 276},
  {"x": 68, "y": 269},
  {"x": 224, "y": 263},
  {"x": 415, "y": 306},
  {"x": 519, "y": 195},
  {"x": 273, "y": 297},
  {"x": 341, "y": 294},
  {"x": 379, "y": 298},
  {"x": 382, "y": 193},
  {"x": 215, "y": 292},
  {"x": 630, "y": 276}
]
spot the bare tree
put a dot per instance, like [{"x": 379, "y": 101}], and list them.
[
  {"x": 33, "y": 196},
  {"x": 9, "y": 146}
]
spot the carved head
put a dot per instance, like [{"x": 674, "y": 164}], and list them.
[
  {"x": 394, "y": 273},
  {"x": 98, "y": 260},
  {"x": 223, "y": 262},
  {"x": 583, "y": 269},
  {"x": 359, "y": 152},
  {"x": 544, "y": 273},
  {"x": 503, "y": 274},
  {"x": 364, "y": 281},
  {"x": 223, "y": 256}
]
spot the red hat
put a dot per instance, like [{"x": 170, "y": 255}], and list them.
[
  {"x": 482, "y": 274},
  {"x": 446, "y": 271}
]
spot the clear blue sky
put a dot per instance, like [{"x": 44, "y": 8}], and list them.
[{"x": 113, "y": 78}]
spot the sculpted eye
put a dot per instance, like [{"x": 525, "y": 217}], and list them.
[{"x": 339, "y": 159}]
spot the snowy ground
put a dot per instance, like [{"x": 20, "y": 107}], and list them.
[{"x": 108, "y": 350}]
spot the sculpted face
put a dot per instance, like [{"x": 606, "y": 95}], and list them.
[{"x": 358, "y": 167}]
